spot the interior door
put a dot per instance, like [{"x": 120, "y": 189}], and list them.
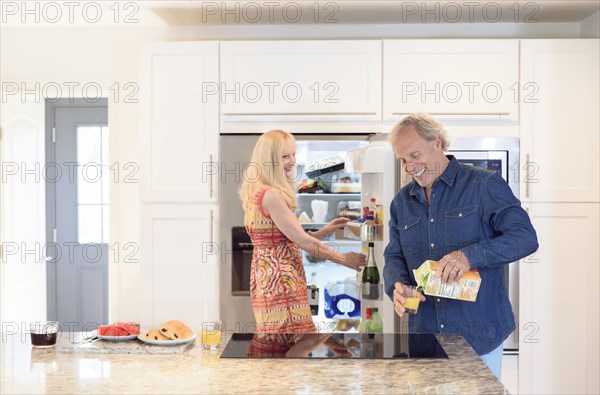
[{"x": 77, "y": 176}]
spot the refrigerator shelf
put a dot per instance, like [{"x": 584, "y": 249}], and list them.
[{"x": 326, "y": 170}]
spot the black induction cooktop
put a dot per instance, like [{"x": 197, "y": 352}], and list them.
[{"x": 334, "y": 345}]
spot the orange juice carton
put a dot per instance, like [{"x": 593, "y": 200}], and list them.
[{"x": 465, "y": 289}]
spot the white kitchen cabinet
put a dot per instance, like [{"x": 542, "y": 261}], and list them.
[
  {"x": 560, "y": 122},
  {"x": 559, "y": 297},
  {"x": 180, "y": 264},
  {"x": 559, "y": 302},
  {"x": 179, "y": 131},
  {"x": 466, "y": 79},
  {"x": 300, "y": 81},
  {"x": 179, "y": 127}
]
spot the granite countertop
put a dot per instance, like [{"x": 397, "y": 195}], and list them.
[{"x": 27, "y": 370}]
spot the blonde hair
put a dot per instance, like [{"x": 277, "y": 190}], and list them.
[
  {"x": 425, "y": 125},
  {"x": 265, "y": 169}
]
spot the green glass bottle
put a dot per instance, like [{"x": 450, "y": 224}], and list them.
[{"x": 370, "y": 278}]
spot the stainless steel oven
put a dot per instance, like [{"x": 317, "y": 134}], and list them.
[{"x": 241, "y": 261}]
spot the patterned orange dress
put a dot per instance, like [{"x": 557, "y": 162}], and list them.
[{"x": 277, "y": 281}]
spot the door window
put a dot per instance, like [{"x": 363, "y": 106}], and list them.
[{"x": 93, "y": 177}]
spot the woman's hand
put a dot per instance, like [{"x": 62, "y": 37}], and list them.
[
  {"x": 355, "y": 260},
  {"x": 331, "y": 227}
]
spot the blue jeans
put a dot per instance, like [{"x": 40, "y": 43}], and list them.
[{"x": 493, "y": 360}]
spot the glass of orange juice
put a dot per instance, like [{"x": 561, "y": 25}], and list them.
[
  {"x": 412, "y": 298},
  {"x": 210, "y": 338}
]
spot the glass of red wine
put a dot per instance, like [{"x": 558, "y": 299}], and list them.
[{"x": 43, "y": 333}]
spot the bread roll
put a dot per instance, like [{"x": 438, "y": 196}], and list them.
[
  {"x": 176, "y": 330},
  {"x": 154, "y": 334}
]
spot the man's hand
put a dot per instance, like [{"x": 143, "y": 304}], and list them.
[
  {"x": 452, "y": 267},
  {"x": 399, "y": 299}
]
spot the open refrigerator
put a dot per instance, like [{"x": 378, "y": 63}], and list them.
[{"x": 350, "y": 174}]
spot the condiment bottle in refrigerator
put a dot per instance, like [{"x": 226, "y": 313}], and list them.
[
  {"x": 376, "y": 322},
  {"x": 359, "y": 273},
  {"x": 313, "y": 294},
  {"x": 369, "y": 227},
  {"x": 363, "y": 327},
  {"x": 372, "y": 204},
  {"x": 379, "y": 214},
  {"x": 370, "y": 279}
]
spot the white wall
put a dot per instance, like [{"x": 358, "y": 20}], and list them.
[
  {"x": 23, "y": 272},
  {"x": 109, "y": 55}
]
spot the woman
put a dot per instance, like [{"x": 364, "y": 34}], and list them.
[{"x": 277, "y": 281}]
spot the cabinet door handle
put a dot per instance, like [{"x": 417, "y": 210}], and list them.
[
  {"x": 210, "y": 187},
  {"x": 527, "y": 176},
  {"x": 211, "y": 226},
  {"x": 500, "y": 114},
  {"x": 298, "y": 113}
]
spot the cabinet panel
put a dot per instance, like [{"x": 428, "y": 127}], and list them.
[
  {"x": 451, "y": 78},
  {"x": 178, "y": 126},
  {"x": 301, "y": 80},
  {"x": 559, "y": 301},
  {"x": 560, "y": 123},
  {"x": 179, "y": 267}
]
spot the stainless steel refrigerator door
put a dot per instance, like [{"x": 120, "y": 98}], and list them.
[{"x": 235, "y": 153}]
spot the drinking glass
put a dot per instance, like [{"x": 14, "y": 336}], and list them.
[
  {"x": 412, "y": 299},
  {"x": 43, "y": 333},
  {"x": 210, "y": 338}
]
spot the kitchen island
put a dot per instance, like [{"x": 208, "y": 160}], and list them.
[{"x": 27, "y": 370}]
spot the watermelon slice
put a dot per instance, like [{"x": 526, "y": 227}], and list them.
[
  {"x": 130, "y": 327},
  {"x": 119, "y": 329}
]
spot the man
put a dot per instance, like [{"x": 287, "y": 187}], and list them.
[{"x": 464, "y": 217}]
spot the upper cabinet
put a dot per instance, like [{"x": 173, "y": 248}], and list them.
[
  {"x": 471, "y": 79},
  {"x": 300, "y": 81},
  {"x": 559, "y": 120},
  {"x": 179, "y": 125}
]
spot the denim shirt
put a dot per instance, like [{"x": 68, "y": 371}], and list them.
[{"x": 472, "y": 210}]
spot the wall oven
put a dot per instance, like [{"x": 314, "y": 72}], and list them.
[{"x": 241, "y": 260}]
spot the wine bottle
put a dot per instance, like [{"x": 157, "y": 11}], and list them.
[{"x": 370, "y": 279}]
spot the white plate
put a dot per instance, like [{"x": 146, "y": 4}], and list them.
[
  {"x": 142, "y": 337},
  {"x": 117, "y": 338},
  {"x": 114, "y": 338}
]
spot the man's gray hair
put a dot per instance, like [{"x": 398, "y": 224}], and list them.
[{"x": 425, "y": 125}]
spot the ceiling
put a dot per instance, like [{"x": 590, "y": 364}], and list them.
[{"x": 273, "y": 12}]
